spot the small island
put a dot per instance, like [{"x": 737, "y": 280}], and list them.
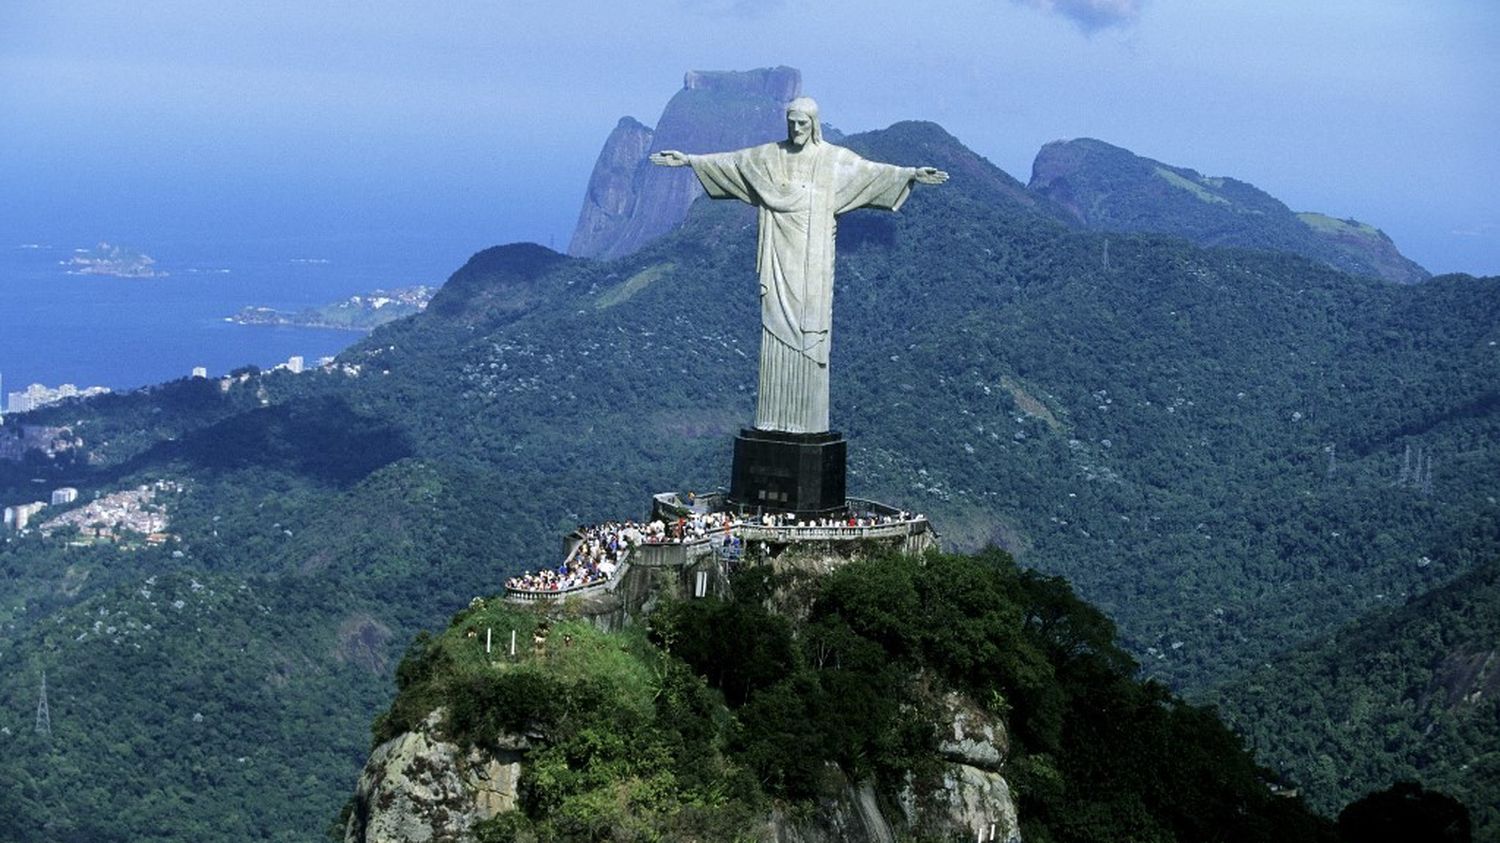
[
  {"x": 356, "y": 313},
  {"x": 117, "y": 261}
]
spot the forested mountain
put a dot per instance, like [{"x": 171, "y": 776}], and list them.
[
  {"x": 1107, "y": 188},
  {"x": 1412, "y": 693},
  {"x": 1231, "y": 452},
  {"x": 753, "y": 717}
]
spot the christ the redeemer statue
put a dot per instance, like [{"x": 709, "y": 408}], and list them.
[{"x": 800, "y": 185}]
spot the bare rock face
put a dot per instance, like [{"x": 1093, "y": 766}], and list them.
[
  {"x": 629, "y": 202},
  {"x": 966, "y": 803},
  {"x": 853, "y": 815},
  {"x": 973, "y": 800},
  {"x": 973, "y": 804},
  {"x": 419, "y": 788},
  {"x": 975, "y": 738},
  {"x": 611, "y": 195}
]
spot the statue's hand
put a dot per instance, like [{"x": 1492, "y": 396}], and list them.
[
  {"x": 931, "y": 175},
  {"x": 669, "y": 158}
]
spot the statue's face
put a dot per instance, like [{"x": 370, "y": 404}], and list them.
[{"x": 798, "y": 129}]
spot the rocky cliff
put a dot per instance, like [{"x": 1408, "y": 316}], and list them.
[
  {"x": 1107, "y": 188},
  {"x": 420, "y": 786},
  {"x": 423, "y": 786},
  {"x": 629, "y": 202},
  {"x": 612, "y": 192}
]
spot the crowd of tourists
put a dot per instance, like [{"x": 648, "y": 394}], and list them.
[
  {"x": 699, "y": 525},
  {"x": 851, "y": 519},
  {"x": 602, "y": 548},
  {"x": 595, "y": 558}
]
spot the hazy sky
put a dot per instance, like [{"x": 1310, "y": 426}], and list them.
[{"x": 461, "y": 125}]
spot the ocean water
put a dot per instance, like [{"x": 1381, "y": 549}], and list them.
[{"x": 124, "y": 333}]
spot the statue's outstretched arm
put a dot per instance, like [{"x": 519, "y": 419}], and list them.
[
  {"x": 930, "y": 175},
  {"x": 670, "y": 158}
]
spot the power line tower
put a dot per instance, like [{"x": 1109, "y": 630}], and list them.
[{"x": 43, "y": 714}]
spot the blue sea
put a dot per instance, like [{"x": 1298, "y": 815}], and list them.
[{"x": 124, "y": 333}]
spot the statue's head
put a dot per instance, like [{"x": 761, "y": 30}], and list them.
[{"x": 802, "y": 122}]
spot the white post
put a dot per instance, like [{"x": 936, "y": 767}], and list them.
[
  {"x": 512, "y": 643},
  {"x": 487, "y": 632}
]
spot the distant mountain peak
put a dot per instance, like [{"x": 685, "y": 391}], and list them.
[
  {"x": 629, "y": 202},
  {"x": 1108, "y": 188},
  {"x": 779, "y": 82},
  {"x": 924, "y": 143}
]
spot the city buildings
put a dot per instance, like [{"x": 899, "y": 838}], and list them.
[
  {"x": 37, "y": 395},
  {"x": 18, "y": 516}
]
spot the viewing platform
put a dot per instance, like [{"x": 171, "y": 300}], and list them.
[
  {"x": 701, "y": 540},
  {"x": 860, "y": 520}
]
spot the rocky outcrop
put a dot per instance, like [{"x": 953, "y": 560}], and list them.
[
  {"x": 630, "y": 202},
  {"x": 974, "y": 804},
  {"x": 611, "y": 195},
  {"x": 967, "y": 803},
  {"x": 975, "y": 738},
  {"x": 420, "y": 787},
  {"x": 854, "y": 814},
  {"x": 969, "y": 800},
  {"x": 973, "y": 801}
]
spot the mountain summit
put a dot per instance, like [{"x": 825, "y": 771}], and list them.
[
  {"x": 629, "y": 203},
  {"x": 1107, "y": 188}
]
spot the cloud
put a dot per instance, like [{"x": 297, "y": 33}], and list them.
[{"x": 1091, "y": 15}]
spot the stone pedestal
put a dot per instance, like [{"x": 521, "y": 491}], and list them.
[{"x": 788, "y": 472}]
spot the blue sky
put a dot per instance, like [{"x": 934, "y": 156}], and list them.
[{"x": 462, "y": 125}]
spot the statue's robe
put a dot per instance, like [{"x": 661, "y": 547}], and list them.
[{"x": 795, "y": 261}]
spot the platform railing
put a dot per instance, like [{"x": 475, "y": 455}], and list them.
[
  {"x": 761, "y": 532},
  {"x": 535, "y": 594},
  {"x": 746, "y": 531},
  {"x": 608, "y": 582}
]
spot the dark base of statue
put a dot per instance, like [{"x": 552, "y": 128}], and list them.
[{"x": 788, "y": 472}]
